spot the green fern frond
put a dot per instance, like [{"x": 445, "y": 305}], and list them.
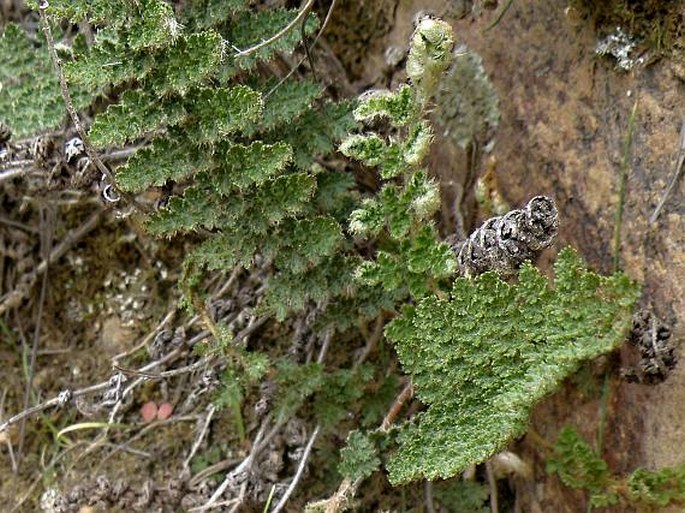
[
  {"x": 358, "y": 302},
  {"x": 392, "y": 158},
  {"x": 411, "y": 260},
  {"x": 288, "y": 292},
  {"x": 165, "y": 159},
  {"x": 657, "y": 488},
  {"x": 335, "y": 195},
  {"x": 153, "y": 25},
  {"x": 30, "y": 96},
  {"x": 284, "y": 197},
  {"x": 251, "y": 28},
  {"x": 202, "y": 14},
  {"x": 332, "y": 392},
  {"x": 208, "y": 114},
  {"x": 481, "y": 359},
  {"x": 198, "y": 207},
  {"x": 415, "y": 265},
  {"x": 285, "y": 105},
  {"x": 148, "y": 46},
  {"x": 397, "y": 208},
  {"x": 430, "y": 53},
  {"x": 399, "y": 106},
  {"x": 259, "y": 209},
  {"x": 359, "y": 458},
  {"x": 225, "y": 250},
  {"x": 215, "y": 113},
  {"x": 242, "y": 167},
  {"x": 107, "y": 62},
  {"x": 186, "y": 63},
  {"x": 97, "y": 11},
  {"x": 577, "y": 464},
  {"x": 463, "y": 496},
  {"x": 315, "y": 133},
  {"x": 296, "y": 245},
  {"x": 138, "y": 113},
  {"x": 296, "y": 384},
  {"x": 370, "y": 149},
  {"x": 339, "y": 393},
  {"x": 303, "y": 243},
  {"x": 417, "y": 144}
]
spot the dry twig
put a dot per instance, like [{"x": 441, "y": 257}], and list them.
[
  {"x": 428, "y": 493},
  {"x": 47, "y": 232},
  {"x": 198, "y": 440},
  {"x": 298, "y": 473},
  {"x": 492, "y": 484},
  {"x": 316, "y": 40},
  {"x": 304, "y": 11},
  {"x": 341, "y": 499},
  {"x": 88, "y": 147}
]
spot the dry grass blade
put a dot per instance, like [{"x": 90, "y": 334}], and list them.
[{"x": 679, "y": 167}]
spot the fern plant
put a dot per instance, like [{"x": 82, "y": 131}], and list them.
[
  {"x": 238, "y": 151},
  {"x": 410, "y": 258},
  {"x": 242, "y": 161},
  {"x": 483, "y": 357},
  {"x": 579, "y": 466}
]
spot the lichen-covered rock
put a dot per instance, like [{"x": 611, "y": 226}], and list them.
[{"x": 467, "y": 105}]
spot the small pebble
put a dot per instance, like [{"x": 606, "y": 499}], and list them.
[{"x": 149, "y": 411}]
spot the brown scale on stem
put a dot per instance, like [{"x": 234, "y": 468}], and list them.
[
  {"x": 657, "y": 351},
  {"x": 502, "y": 243}
]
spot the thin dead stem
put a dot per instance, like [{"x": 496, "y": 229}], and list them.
[
  {"x": 5, "y": 438},
  {"x": 396, "y": 406},
  {"x": 202, "y": 362},
  {"x": 428, "y": 493},
  {"x": 492, "y": 484},
  {"x": 47, "y": 230},
  {"x": 231, "y": 476},
  {"x": 67, "y": 395},
  {"x": 73, "y": 114},
  {"x": 200, "y": 437},
  {"x": 60, "y": 400},
  {"x": 304, "y": 11},
  {"x": 116, "y": 448},
  {"x": 16, "y": 171},
  {"x": 622, "y": 182},
  {"x": 679, "y": 169},
  {"x": 298, "y": 473},
  {"x": 308, "y": 50},
  {"x": 148, "y": 338},
  {"x": 372, "y": 340}
]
